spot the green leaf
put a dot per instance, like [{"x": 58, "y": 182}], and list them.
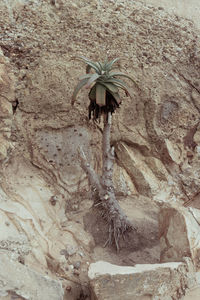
[
  {"x": 85, "y": 76},
  {"x": 92, "y": 93},
  {"x": 100, "y": 66},
  {"x": 94, "y": 66},
  {"x": 110, "y": 63},
  {"x": 94, "y": 77},
  {"x": 90, "y": 64},
  {"x": 77, "y": 89},
  {"x": 113, "y": 74},
  {"x": 119, "y": 83},
  {"x": 116, "y": 96},
  {"x": 100, "y": 95},
  {"x": 116, "y": 81},
  {"x": 110, "y": 86}
]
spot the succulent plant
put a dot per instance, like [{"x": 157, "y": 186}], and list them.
[{"x": 104, "y": 86}]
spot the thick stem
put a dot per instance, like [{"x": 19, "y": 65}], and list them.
[
  {"x": 103, "y": 189},
  {"x": 107, "y": 154}
]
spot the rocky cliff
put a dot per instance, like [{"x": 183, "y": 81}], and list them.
[{"x": 47, "y": 226}]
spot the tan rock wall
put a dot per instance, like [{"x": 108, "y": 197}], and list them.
[
  {"x": 7, "y": 96},
  {"x": 182, "y": 8},
  {"x": 155, "y": 133},
  {"x": 179, "y": 234}
]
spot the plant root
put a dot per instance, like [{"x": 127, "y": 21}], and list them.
[{"x": 103, "y": 190}]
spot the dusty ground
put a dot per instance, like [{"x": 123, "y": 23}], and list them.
[{"x": 141, "y": 246}]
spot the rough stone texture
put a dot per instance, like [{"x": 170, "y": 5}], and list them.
[
  {"x": 153, "y": 132},
  {"x": 43, "y": 191},
  {"x": 182, "y": 8},
  {"x": 7, "y": 96},
  {"x": 180, "y": 234},
  {"x": 18, "y": 281},
  {"x": 160, "y": 281}
]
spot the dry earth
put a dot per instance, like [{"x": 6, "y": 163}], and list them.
[{"x": 47, "y": 223}]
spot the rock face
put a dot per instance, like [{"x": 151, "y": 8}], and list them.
[
  {"x": 181, "y": 8},
  {"x": 142, "y": 282},
  {"x": 44, "y": 194},
  {"x": 20, "y": 282},
  {"x": 179, "y": 234},
  {"x": 7, "y": 96},
  {"x": 155, "y": 133}
]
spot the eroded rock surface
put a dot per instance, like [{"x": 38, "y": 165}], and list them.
[
  {"x": 180, "y": 234},
  {"x": 44, "y": 194},
  {"x": 142, "y": 282},
  {"x": 7, "y": 97},
  {"x": 19, "y": 282}
]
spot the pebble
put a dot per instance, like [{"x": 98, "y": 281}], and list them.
[
  {"x": 68, "y": 288},
  {"x": 75, "y": 272},
  {"x": 81, "y": 254},
  {"x": 77, "y": 265},
  {"x": 71, "y": 250}
]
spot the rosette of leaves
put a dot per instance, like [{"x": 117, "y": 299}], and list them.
[{"x": 104, "y": 84}]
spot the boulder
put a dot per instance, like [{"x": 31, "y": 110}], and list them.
[
  {"x": 179, "y": 234},
  {"x": 145, "y": 282},
  {"x": 17, "y": 280}
]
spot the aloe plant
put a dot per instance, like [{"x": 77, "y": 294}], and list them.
[{"x": 103, "y": 84}]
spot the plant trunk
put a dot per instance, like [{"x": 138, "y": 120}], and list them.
[{"x": 103, "y": 189}]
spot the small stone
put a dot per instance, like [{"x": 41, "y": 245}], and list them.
[
  {"x": 53, "y": 200},
  {"x": 74, "y": 6},
  {"x": 75, "y": 207},
  {"x": 81, "y": 254},
  {"x": 70, "y": 250},
  {"x": 68, "y": 288},
  {"x": 77, "y": 265},
  {"x": 65, "y": 253},
  {"x": 76, "y": 273}
]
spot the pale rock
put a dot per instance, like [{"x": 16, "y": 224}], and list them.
[
  {"x": 71, "y": 250},
  {"x": 122, "y": 182},
  {"x": 5, "y": 145},
  {"x": 33, "y": 214},
  {"x": 181, "y": 8},
  {"x": 157, "y": 167},
  {"x": 156, "y": 281},
  {"x": 179, "y": 234},
  {"x": 80, "y": 235},
  {"x": 7, "y": 94},
  {"x": 3, "y": 150},
  {"x": 197, "y": 137},
  {"x": 174, "y": 151},
  {"x": 21, "y": 281},
  {"x": 7, "y": 80},
  {"x": 5, "y": 108},
  {"x": 142, "y": 176},
  {"x": 195, "y": 97},
  {"x": 193, "y": 294}
]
